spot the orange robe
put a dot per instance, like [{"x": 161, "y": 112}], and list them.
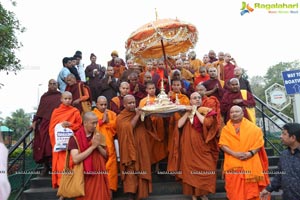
[
  {"x": 183, "y": 100},
  {"x": 135, "y": 164},
  {"x": 118, "y": 71},
  {"x": 195, "y": 152},
  {"x": 213, "y": 103},
  {"x": 60, "y": 114},
  {"x": 195, "y": 64},
  {"x": 157, "y": 148},
  {"x": 248, "y": 183},
  {"x": 109, "y": 131},
  {"x": 187, "y": 75}
]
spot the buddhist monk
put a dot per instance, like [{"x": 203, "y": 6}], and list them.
[
  {"x": 235, "y": 97},
  {"x": 201, "y": 75},
  {"x": 185, "y": 74},
  {"x": 194, "y": 62},
  {"x": 69, "y": 117},
  {"x": 136, "y": 88},
  {"x": 158, "y": 148},
  {"x": 214, "y": 86},
  {"x": 135, "y": 163},
  {"x": 42, "y": 150},
  {"x": 195, "y": 149},
  {"x": 80, "y": 92},
  {"x": 228, "y": 67},
  {"x": 116, "y": 104},
  {"x": 93, "y": 154},
  {"x": 245, "y": 157},
  {"x": 178, "y": 98},
  {"x": 107, "y": 126},
  {"x": 211, "y": 102}
]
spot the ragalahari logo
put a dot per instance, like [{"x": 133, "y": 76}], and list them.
[{"x": 246, "y": 8}]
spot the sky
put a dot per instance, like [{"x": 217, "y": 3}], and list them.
[{"x": 55, "y": 29}]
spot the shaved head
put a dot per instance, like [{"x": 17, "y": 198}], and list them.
[
  {"x": 101, "y": 98},
  {"x": 88, "y": 115},
  {"x": 66, "y": 93},
  {"x": 127, "y": 98},
  {"x": 236, "y": 114},
  {"x": 123, "y": 84}
]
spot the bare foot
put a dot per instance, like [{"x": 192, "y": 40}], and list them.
[
  {"x": 194, "y": 197},
  {"x": 204, "y": 197}
]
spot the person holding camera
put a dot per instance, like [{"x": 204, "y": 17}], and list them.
[{"x": 227, "y": 69}]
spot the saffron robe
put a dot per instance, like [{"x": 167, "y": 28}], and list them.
[
  {"x": 195, "y": 64},
  {"x": 244, "y": 185},
  {"x": 195, "y": 153},
  {"x": 96, "y": 185},
  {"x": 42, "y": 150},
  {"x": 183, "y": 100},
  {"x": 59, "y": 115},
  {"x": 135, "y": 163},
  {"x": 157, "y": 148},
  {"x": 109, "y": 131}
]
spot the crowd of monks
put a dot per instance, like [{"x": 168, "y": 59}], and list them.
[{"x": 188, "y": 141}]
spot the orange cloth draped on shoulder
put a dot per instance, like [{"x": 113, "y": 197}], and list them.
[
  {"x": 213, "y": 103},
  {"x": 195, "y": 64},
  {"x": 196, "y": 159},
  {"x": 61, "y": 114},
  {"x": 135, "y": 165},
  {"x": 96, "y": 185},
  {"x": 247, "y": 183},
  {"x": 109, "y": 131},
  {"x": 118, "y": 71},
  {"x": 157, "y": 148}
]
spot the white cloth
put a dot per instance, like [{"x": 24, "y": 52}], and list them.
[
  {"x": 4, "y": 183},
  {"x": 80, "y": 69},
  {"x": 62, "y": 136}
]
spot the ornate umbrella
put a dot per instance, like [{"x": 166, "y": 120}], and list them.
[{"x": 160, "y": 38}]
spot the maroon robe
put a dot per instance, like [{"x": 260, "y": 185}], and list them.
[
  {"x": 96, "y": 183},
  {"x": 210, "y": 84},
  {"x": 228, "y": 72},
  {"x": 138, "y": 95},
  {"x": 42, "y": 149},
  {"x": 227, "y": 103}
]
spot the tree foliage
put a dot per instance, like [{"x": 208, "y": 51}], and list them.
[
  {"x": 9, "y": 28},
  {"x": 19, "y": 122},
  {"x": 274, "y": 75}
]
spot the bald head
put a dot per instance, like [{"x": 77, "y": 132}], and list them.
[
  {"x": 195, "y": 99},
  {"x": 88, "y": 116},
  {"x": 201, "y": 89},
  {"x": 66, "y": 98},
  {"x": 236, "y": 114},
  {"x": 124, "y": 84},
  {"x": 129, "y": 103},
  {"x": 101, "y": 103}
]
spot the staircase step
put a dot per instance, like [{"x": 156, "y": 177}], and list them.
[
  {"x": 46, "y": 193},
  {"x": 40, "y": 182}
]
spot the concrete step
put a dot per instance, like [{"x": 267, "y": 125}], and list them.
[{"x": 45, "y": 193}]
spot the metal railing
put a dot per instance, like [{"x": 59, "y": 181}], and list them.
[
  {"x": 20, "y": 165},
  {"x": 262, "y": 108}
]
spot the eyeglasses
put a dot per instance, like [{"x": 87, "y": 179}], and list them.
[
  {"x": 197, "y": 97},
  {"x": 52, "y": 83}
]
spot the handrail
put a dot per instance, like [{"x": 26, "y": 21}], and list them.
[
  {"x": 13, "y": 148},
  {"x": 262, "y": 109},
  {"x": 22, "y": 156}
]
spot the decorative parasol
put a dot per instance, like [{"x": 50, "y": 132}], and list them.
[{"x": 160, "y": 38}]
